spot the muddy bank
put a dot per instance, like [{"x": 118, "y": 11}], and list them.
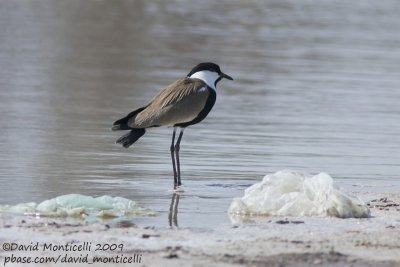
[{"x": 273, "y": 241}]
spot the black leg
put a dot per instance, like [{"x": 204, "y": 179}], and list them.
[
  {"x": 173, "y": 158},
  {"x": 177, "y": 147}
]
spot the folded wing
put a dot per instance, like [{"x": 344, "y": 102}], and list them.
[{"x": 178, "y": 103}]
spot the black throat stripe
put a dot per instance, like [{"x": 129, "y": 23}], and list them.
[{"x": 204, "y": 112}]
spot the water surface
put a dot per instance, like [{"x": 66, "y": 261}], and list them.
[{"x": 316, "y": 89}]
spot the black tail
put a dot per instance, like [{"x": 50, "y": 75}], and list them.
[
  {"x": 122, "y": 124},
  {"x": 128, "y": 139}
]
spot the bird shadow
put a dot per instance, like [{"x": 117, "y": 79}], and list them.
[{"x": 173, "y": 211}]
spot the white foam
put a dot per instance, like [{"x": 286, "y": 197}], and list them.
[
  {"x": 288, "y": 193},
  {"x": 76, "y": 205}
]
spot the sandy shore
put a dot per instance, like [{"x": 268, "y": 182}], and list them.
[{"x": 273, "y": 241}]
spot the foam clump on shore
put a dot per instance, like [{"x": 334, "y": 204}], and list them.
[
  {"x": 76, "y": 205},
  {"x": 288, "y": 193}
]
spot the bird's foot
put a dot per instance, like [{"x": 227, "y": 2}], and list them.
[{"x": 178, "y": 189}]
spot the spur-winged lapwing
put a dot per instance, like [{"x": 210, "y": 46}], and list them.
[{"x": 185, "y": 102}]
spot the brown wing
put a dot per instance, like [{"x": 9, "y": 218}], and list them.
[{"x": 180, "y": 102}]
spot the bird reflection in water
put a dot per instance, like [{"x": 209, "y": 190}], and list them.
[{"x": 173, "y": 211}]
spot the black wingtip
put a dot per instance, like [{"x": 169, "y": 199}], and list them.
[{"x": 123, "y": 124}]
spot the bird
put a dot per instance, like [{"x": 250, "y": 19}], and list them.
[{"x": 185, "y": 102}]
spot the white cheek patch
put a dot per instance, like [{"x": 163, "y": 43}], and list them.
[{"x": 209, "y": 77}]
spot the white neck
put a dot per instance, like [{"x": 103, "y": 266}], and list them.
[{"x": 209, "y": 77}]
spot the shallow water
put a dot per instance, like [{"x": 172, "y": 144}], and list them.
[{"x": 316, "y": 89}]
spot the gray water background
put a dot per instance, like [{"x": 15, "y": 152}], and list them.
[{"x": 317, "y": 88}]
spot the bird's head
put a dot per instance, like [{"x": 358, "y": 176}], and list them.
[{"x": 209, "y": 72}]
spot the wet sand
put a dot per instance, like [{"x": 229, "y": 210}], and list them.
[{"x": 272, "y": 241}]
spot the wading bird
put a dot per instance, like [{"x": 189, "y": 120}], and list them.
[{"x": 185, "y": 102}]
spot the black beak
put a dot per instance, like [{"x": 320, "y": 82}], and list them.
[{"x": 223, "y": 75}]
